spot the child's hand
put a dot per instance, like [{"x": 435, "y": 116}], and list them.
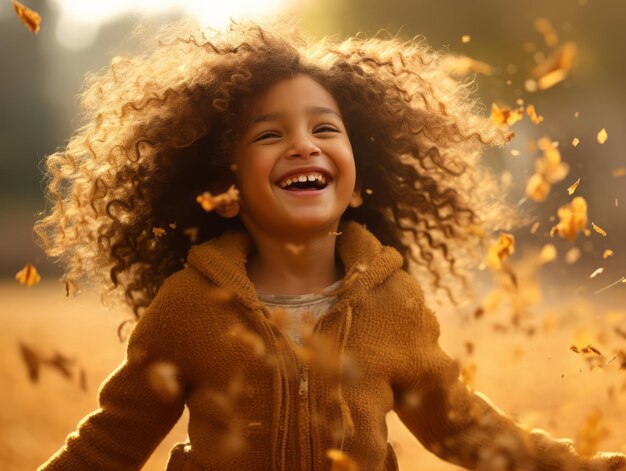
[{"x": 607, "y": 462}]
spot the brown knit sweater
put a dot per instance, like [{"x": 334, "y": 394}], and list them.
[{"x": 228, "y": 361}]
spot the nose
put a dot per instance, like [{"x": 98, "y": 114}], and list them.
[{"x": 303, "y": 147}]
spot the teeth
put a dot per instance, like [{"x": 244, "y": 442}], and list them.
[{"x": 303, "y": 178}]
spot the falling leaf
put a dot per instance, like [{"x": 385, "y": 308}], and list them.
[
  {"x": 572, "y": 189},
  {"x": 537, "y": 188},
  {"x": 340, "y": 461},
  {"x": 466, "y": 38},
  {"x": 575, "y": 142},
  {"x": 333, "y": 233},
  {"x": 28, "y": 275},
  {"x": 210, "y": 202},
  {"x": 62, "y": 364},
  {"x": 596, "y": 272},
  {"x": 30, "y": 18},
  {"x": 618, "y": 172},
  {"x": 534, "y": 228},
  {"x": 544, "y": 27},
  {"x": 607, "y": 253},
  {"x": 369, "y": 191},
  {"x": 548, "y": 253},
  {"x": 599, "y": 230},
  {"x": 556, "y": 67},
  {"x": 515, "y": 153},
  {"x": 500, "y": 251},
  {"x": 530, "y": 110},
  {"x": 602, "y": 136},
  {"x": 32, "y": 360},
  {"x": 158, "y": 232},
  {"x": 573, "y": 219},
  {"x": 172, "y": 225},
  {"x": 505, "y": 116}
]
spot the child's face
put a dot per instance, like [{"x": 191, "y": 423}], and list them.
[{"x": 293, "y": 129}]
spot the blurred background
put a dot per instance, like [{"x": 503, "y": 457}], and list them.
[{"x": 565, "y": 57}]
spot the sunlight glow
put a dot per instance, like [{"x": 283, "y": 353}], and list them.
[{"x": 80, "y": 21}]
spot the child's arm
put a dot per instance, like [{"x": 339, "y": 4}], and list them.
[
  {"x": 139, "y": 403},
  {"x": 463, "y": 427}
]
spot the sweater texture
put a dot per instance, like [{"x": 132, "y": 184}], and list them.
[{"x": 207, "y": 342}]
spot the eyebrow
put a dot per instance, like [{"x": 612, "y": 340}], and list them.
[{"x": 312, "y": 110}]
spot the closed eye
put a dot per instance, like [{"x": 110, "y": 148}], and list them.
[
  {"x": 327, "y": 128},
  {"x": 266, "y": 135}
]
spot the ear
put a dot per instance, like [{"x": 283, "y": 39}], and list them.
[{"x": 356, "y": 200}]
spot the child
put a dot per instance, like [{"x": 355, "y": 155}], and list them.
[{"x": 292, "y": 326}]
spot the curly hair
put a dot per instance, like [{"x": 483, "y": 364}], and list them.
[{"x": 160, "y": 127}]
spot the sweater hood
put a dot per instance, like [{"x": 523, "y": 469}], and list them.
[{"x": 223, "y": 260}]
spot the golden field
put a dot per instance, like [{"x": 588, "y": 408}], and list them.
[{"x": 535, "y": 378}]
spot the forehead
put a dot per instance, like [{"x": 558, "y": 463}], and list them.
[{"x": 293, "y": 94}]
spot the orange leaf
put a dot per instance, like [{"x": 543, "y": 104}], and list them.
[
  {"x": 28, "y": 275},
  {"x": 29, "y": 17},
  {"x": 598, "y": 229},
  {"x": 572, "y": 188},
  {"x": 602, "y": 136}
]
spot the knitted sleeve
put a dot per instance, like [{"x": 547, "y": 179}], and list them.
[
  {"x": 138, "y": 403},
  {"x": 462, "y": 427}
]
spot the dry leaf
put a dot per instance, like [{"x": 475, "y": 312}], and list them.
[
  {"x": 598, "y": 229},
  {"x": 548, "y": 253},
  {"x": 534, "y": 227},
  {"x": 572, "y": 188},
  {"x": 537, "y": 188},
  {"x": 466, "y": 38},
  {"x": 32, "y": 360},
  {"x": 619, "y": 172},
  {"x": 505, "y": 116},
  {"x": 28, "y": 275},
  {"x": 30, "y": 18},
  {"x": 573, "y": 219},
  {"x": 530, "y": 110},
  {"x": 210, "y": 202},
  {"x": 602, "y": 136},
  {"x": 500, "y": 251},
  {"x": 544, "y": 27},
  {"x": 575, "y": 142},
  {"x": 572, "y": 255},
  {"x": 596, "y": 272},
  {"x": 158, "y": 232},
  {"x": 556, "y": 67},
  {"x": 62, "y": 364},
  {"x": 607, "y": 253},
  {"x": 172, "y": 225}
]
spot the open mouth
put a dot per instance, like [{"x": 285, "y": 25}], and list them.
[{"x": 305, "y": 183}]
